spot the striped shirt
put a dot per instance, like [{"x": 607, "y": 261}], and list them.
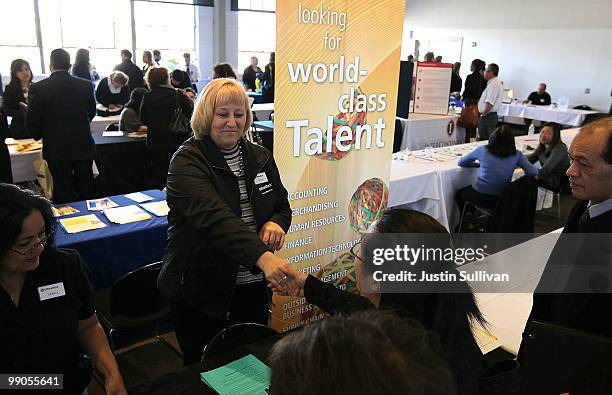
[{"x": 233, "y": 157}]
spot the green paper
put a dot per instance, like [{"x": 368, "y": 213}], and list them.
[{"x": 247, "y": 375}]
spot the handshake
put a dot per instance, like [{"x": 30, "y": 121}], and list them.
[{"x": 281, "y": 278}]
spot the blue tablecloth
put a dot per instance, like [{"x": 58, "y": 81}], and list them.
[
  {"x": 117, "y": 249},
  {"x": 258, "y": 96}
]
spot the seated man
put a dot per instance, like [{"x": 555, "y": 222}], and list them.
[
  {"x": 585, "y": 260},
  {"x": 363, "y": 353},
  {"x": 539, "y": 97}
]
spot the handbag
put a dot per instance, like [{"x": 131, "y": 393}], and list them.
[
  {"x": 44, "y": 177},
  {"x": 469, "y": 116},
  {"x": 179, "y": 125}
]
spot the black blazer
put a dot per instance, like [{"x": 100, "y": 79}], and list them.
[
  {"x": 134, "y": 74},
  {"x": 267, "y": 78},
  {"x": 106, "y": 98},
  {"x": 156, "y": 110},
  {"x": 583, "y": 311},
  {"x": 60, "y": 110},
  {"x": 10, "y": 106}
]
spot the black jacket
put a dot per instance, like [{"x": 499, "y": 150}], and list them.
[
  {"x": 133, "y": 72},
  {"x": 13, "y": 95},
  {"x": 588, "y": 312},
  {"x": 105, "y": 97},
  {"x": 267, "y": 79},
  {"x": 60, "y": 109},
  {"x": 515, "y": 207},
  {"x": 249, "y": 76},
  {"x": 156, "y": 110},
  {"x": 475, "y": 84},
  {"x": 207, "y": 240}
]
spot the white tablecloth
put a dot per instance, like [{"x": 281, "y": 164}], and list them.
[
  {"x": 263, "y": 110},
  {"x": 98, "y": 124},
  {"x": 425, "y": 130},
  {"x": 22, "y": 163},
  {"x": 544, "y": 113},
  {"x": 507, "y": 310},
  {"x": 430, "y": 186}
]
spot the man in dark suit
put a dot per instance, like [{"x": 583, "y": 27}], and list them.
[
  {"x": 579, "y": 269},
  {"x": 60, "y": 109},
  {"x": 131, "y": 70}
]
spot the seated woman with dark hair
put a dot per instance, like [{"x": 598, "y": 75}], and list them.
[
  {"x": 448, "y": 315},
  {"x": 113, "y": 91},
  {"x": 129, "y": 121},
  {"x": 47, "y": 313},
  {"x": 224, "y": 70},
  {"x": 497, "y": 161},
  {"x": 363, "y": 353},
  {"x": 552, "y": 155}
]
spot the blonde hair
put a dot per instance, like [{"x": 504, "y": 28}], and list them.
[
  {"x": 119, "y": 77},
  {"x": 218, "y": 91}
]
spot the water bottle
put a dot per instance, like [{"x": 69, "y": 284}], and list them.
[
  {"x": 531, "y": 130},
  {"x": 257, "y": 85}
]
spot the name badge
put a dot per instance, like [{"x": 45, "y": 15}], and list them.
[
  {"x": 261, "y": 178},
  {"x": 51, "y": 291}
]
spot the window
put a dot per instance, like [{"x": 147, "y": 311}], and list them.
[
  {"x": 256, "y": 31},
  {"x": 172, "y": 36},
  {"x": 254, "y": 5},
  {"x": 18, "y": 36},
  {"x": 104, "y": 34}
]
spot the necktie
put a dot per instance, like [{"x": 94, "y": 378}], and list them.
[
  {"x": 584, "y": 217},
  {"x": 188, "y": 72}
]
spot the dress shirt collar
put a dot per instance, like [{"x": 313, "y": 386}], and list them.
[{"x": 599, "y": 208}]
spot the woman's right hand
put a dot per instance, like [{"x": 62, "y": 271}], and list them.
[
  {"x": 274, "y": 269},
  {"x": 297, "y": 277}
]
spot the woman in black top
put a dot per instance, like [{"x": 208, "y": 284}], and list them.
[
  {"x": 156, "y": 111},
  {"x": 475, "y": 83},
  {"x": 113, "y": 91},
  {"x": 47, "y": 315},
  {"x": 449, "y": 315},
  {"x": 82, "y": 68},
  {"x": 16, "y": 97}
]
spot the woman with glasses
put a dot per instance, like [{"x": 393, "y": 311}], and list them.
[
  {"x": 448, "y": 315},
  {"x": 47, "y": 315}
]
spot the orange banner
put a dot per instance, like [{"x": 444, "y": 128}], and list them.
[{"x": 337, "y": 66}]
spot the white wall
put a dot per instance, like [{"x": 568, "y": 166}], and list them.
[
  {"x": 204, "y": 40},
  {"x": 565, "y": 43}
]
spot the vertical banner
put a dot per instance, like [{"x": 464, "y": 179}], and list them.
[
  {"x": 432, "y": 88},
  {"x": 337, "y": 68}
]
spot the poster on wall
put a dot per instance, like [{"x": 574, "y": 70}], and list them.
[
  {"x": 432, "y": 88},
  {"x": 337, "y": 68}
]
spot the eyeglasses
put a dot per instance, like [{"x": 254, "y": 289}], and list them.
[
  {"x": 356, "y": 250},
  {"x": 32, "y": 246}
]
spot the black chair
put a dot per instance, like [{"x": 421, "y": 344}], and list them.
[
  {"x": 132, "y": 302},
  {"x": 398, "y": 135},
  {"x": 514, "y": 211},
  {"x": 112, "y": 127},
  {"x": 234, "y": 337}
]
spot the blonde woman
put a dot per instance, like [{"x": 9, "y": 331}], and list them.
[
  {"x": 228, "y": 213},
  {"x": 112, "y": 92}
]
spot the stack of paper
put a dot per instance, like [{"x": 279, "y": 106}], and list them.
[
  {"x": 82, "y": 223},
  {"x": 160, "y": 208},
  {"x": 138, "y": 197},
  {"x": 100, "y": 204},
  {"x": 127, "y": 214},
  {"x": 247, "y": 375},
  {"x": 112, "y": 133},
  {"x": 63, "y": 210}
]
